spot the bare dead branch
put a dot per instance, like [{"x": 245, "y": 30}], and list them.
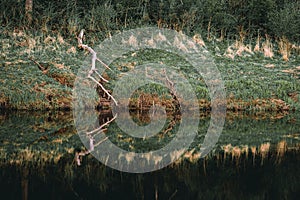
[
  {"x": 169, "y": 82},
  {"x": 93, "y": 68},
  {"x": 42, "y": 68},
  {"x": 93, "y": 133},
  {"x": 101, "y": 141},
  {"x": 102, "y": 87}
]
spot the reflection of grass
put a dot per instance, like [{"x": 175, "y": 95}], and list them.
[
  {"x": 51, "y": 136},
  {"x": 212, "y": 178},
  {"x": 44, "y": 144}
]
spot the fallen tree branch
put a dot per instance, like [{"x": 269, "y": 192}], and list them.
[
  {"x": 41, "y": 67},
  {"x": 93, "y": 68},
  {"x": 91, "y": 134}
]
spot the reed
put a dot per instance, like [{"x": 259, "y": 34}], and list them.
[
  {"x": 257, "y": 44},
  {"x": 285, "y": 48},
  {"x": 267, "y": 47}
]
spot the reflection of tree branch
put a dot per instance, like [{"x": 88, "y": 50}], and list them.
[
  {"x": 101, "y": 141},
  {"x": 102, "y": 126},
  {"x": 79, "y": 155},
  {"x": 93, "y": 69},
  {"x": 91, "y": 135}
]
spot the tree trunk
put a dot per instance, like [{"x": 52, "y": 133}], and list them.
[{"x": 28, "y": 10}]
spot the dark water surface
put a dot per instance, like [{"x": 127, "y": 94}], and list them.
[{"x": 257, "y": 157}]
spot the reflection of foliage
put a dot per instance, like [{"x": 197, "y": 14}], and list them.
[
  {"x": 36, "y": 131},
  {"x": 54, "y": 133},
  {"x": 212, "y": 178},
  {"x": 127, "y": 142}
]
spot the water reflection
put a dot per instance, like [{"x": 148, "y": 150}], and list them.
[
  {"x": 256, "y": 157},
  {"x": 214, "y": 178}
]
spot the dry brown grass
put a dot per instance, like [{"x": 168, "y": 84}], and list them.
[
  {"x": 239, "y": 48},
  {"x": 229, "y": 53},
  {"x": 296, "y": 49},
  {"x": 267, "y": 48},
  {"x": 49, "y": 40},
  {"x": 192, "y": 156},
  {"x": 285, "y": 48},
  {"x": 72, "y": 50},
  {"x": 281, "y": 149},
  {"x": 264, "y": 150},
  {"x": 198, "y": 39},
  {"x": 60, "y": 39},
  {"x": 257, "y": 45},
  {"x": 25, "y": 40}
]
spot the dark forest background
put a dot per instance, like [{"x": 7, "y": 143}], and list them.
[{"x": 223, "y": 19}]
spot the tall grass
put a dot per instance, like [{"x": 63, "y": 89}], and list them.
[{"x": 221, "y": 18}]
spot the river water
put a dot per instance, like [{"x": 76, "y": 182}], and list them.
[{"x": 256, "y": 157}]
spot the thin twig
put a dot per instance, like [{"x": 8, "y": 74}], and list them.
[
  {"x": 38, "y": 64},
  {"x": 101, "y": 76}
]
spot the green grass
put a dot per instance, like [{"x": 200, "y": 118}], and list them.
[{"x": 25, "y": 86}]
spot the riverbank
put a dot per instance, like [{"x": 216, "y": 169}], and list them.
[{"x": 37, "y": 72}]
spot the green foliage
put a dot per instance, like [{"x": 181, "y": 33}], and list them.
[
  {"x": 257, "y": 12},
  {"x": 286, "y": 21},
  {"x": 223, "y": 17}
]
